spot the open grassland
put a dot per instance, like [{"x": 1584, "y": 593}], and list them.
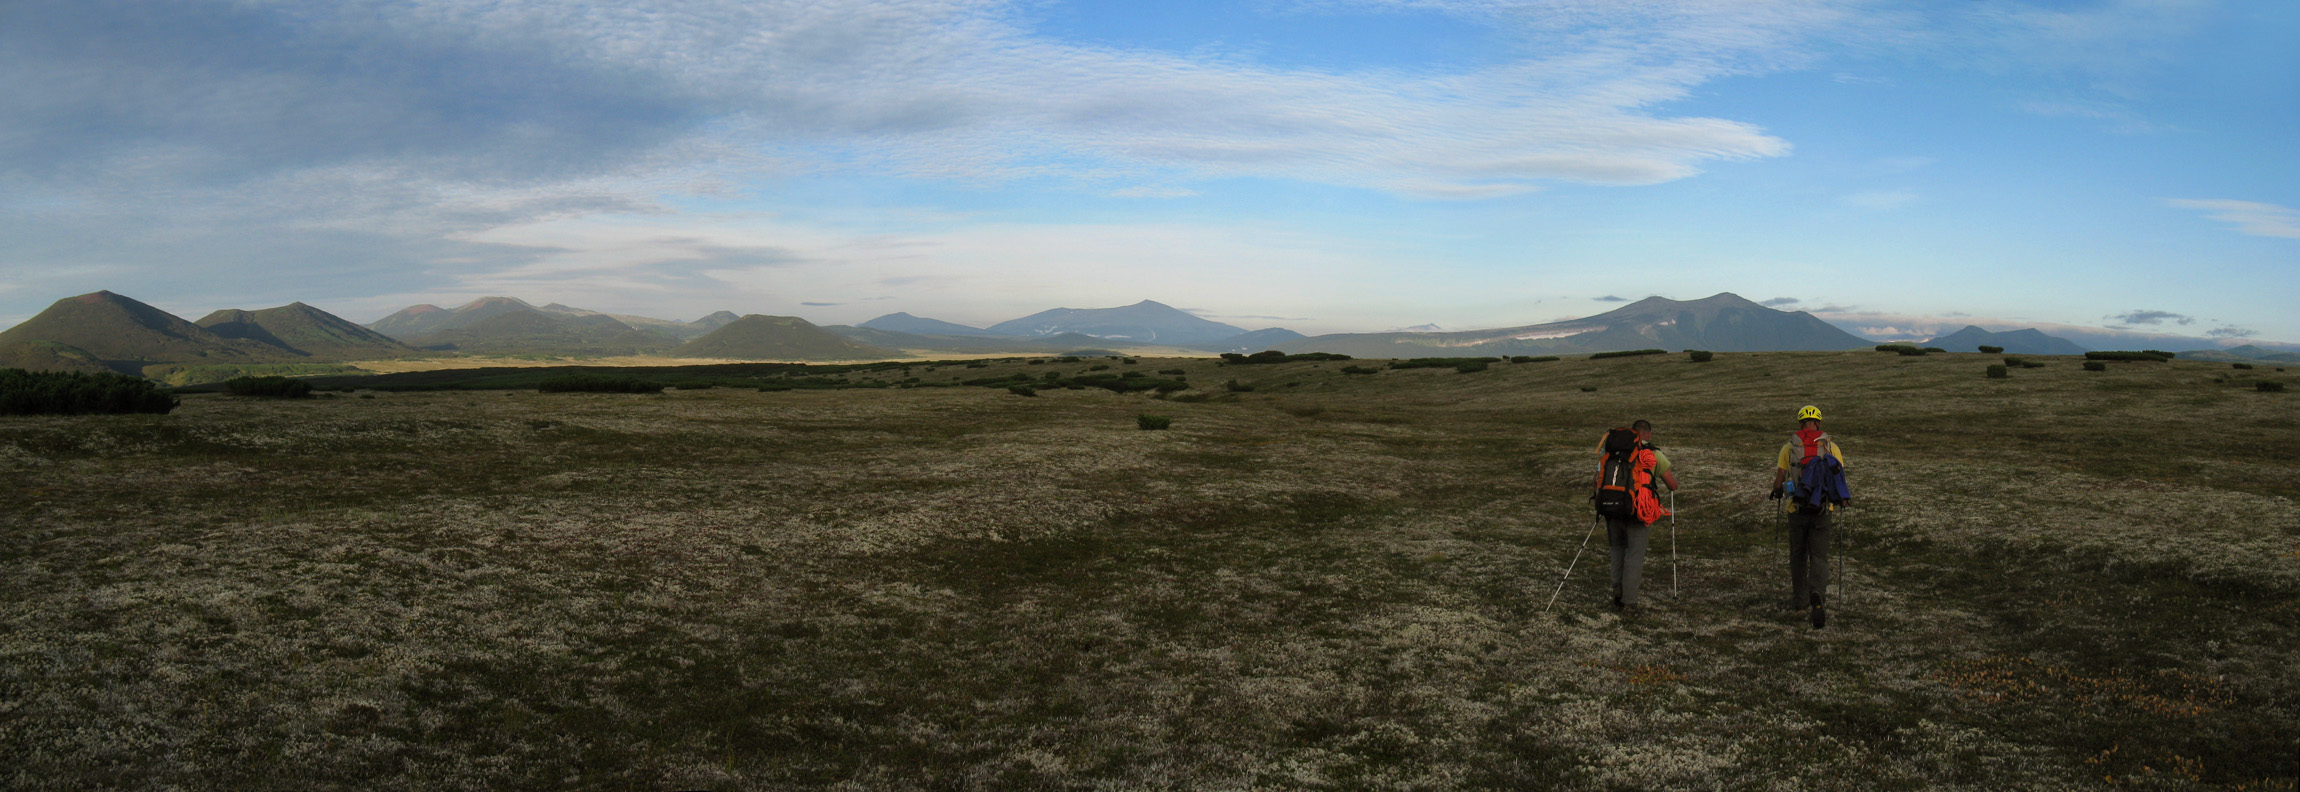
[{"x": 2064, "y": 579}]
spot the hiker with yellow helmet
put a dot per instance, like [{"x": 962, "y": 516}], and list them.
[{"x": 1810, "y": 473}]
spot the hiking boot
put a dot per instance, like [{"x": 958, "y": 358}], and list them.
[
  {"x": 1617, "y": 603},
  {"x": 1820, "y": 613}
]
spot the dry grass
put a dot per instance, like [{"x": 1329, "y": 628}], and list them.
[{"x": 2060, "y": 580}]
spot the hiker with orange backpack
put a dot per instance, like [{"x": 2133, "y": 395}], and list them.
[
  {"x": 1627, "y": 465},
  {"x": 1810, "y": 473}
]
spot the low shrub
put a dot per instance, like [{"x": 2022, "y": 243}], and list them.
[
  {"x": 617, "y": 383},
  {"x": 1172, "y": 371},
  {"x": 2014, "y": 361},
  {"x": 1152, "y": 423},
  {"x": 977, "y": 364},
  {"x": 2265, "y": 386},
  {"x": 2146, "y": 356},
  {"x": 2095, "y": 365},
  {"x": 73, "y": 393},
  {"x": 1129, "y": 361},
  {"x": 1275, "y": 356},
  {"x": 1064, "y": 359},
  {"x": 1035, "y": 362},
  {"x": 1358, "y": 370},
  {"x": 1628, "y": 353},
  {"x": 1469, "y": 368},
  {"x": 1901, "y": 348},
  {"x": 1997, "y": 372},
  {"x": 1700, "y": 355},
  {"x": 1021, "y": 390},
  {"x": 270, "y": 387},
  {"x": 1992, "y": 350},
  {"x": 1235, "y": 386},
  {"x": 2240, "y": 365},
  {"x": 1532, "y": 359},
  {"x": 1588, "y": 389},
  {"x": 1935, "y": 351},
  {"x": 1099, "y": 367}
]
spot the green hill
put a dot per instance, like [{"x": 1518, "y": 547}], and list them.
[
  {"x": 761, "y": 337},
  {"x": 123, "y": 335},
  {"x": 520, "y": 330},
  {"x": 307, "y": 331}
]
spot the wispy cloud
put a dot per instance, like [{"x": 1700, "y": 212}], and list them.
[
  {"x": 1611, "y": 298},
  {"x": 2249, "y": 217},
  {"x": 1778, "y": 302},
  {"x": 2231, "y": 332},
  {"x": 2146, "y": 317}
]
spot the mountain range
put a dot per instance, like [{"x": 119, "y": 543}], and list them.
[
  {"x": 104, "y": 331},
  {"x": 2024, "y": 342}
]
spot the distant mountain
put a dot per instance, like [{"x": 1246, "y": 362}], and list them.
[
  {"x": 2030, "y": 341},
  {"x": 714, "y": 321},
  {"x": 943, "y": 344},
  {"x": 2241, "y": 354},
  {"x": 303, "y": 330},
  {"x": 672, "y": 326},
  {"x": 1145, "y": 322},
  {"x": 123, "y": 335},
  {"x": 524, "y": 330},
  {"x": 411, "y": 321},
  {"x": 1721, "y": 323},
  {"x": 919, "y": 325},
  {"x": 1256, "y": 341},
  {"x": 758, "y": 337}
]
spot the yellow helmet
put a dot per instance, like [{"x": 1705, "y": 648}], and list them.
[{"x": 1809, "y": 412}]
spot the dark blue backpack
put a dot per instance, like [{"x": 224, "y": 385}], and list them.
[{"x": 1820, "y": 481}]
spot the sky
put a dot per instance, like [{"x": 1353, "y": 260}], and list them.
[{"x": 1899, "y": 168}]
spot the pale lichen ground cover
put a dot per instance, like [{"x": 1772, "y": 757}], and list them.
[{"x": 2061, "y": 580}]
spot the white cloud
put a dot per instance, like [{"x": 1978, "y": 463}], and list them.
[{"x": 2249, "y": 217}]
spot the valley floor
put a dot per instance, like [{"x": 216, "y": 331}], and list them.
[{"x": 2064, "y": 579}]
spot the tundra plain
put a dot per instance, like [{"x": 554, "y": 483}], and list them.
[{"x": 2062, "y": 579}]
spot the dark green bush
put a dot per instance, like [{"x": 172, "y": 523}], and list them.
[
  {"x": 1469, "y": 368},
  {"x": 1532, "y": 359},
  {"x": 1588, "y": 389},
  {"x": 1068, "y": 358},
  {"x": 1021, "y": 390},
  {"x": 2148, "y": 356},
  {"x": 73, "y": 393},
  {"x": 2240, "y": 365},
  {"x": 1628, "y": 353},
  {"x": 1992, "y": 350},
  {"x": 617, "y": 383},
  {"x": 1935, "y": 351},
  {"x": 1035, "y": 362},
  {"x": 1997, "y": 372},
  {"x": 1151, "y": 423},
  {"x": 1235, "y": 386},
  {"x": 1099, "y": 367},
  {"x": 1132, "y": 375},
  {"x": 1129, "y": 361},
  {"x": 2095, "y": 365},
  {"x": 1901, "y": 348},
  {"x": 2265, "y": 386},
  {"x": 1700, "y": 355},
  {"x": 977, "y": 364},
  {"x": 268, "y": 387},
  {"x": 1172, "y": 371},
  {"x": 1360, "y": 370}
]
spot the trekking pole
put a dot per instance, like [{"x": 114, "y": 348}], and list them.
[
  {"x": 1843, "y": 582},
  {"x": 1569, "y": 565},
  {"x": 1673, "y": 544}
]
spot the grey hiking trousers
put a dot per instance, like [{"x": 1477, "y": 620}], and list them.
[
  {"x": 1625, "y": 539},
  {"x": 1808, "y": 555}
]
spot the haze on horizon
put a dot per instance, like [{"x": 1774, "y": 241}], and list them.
[{"x": 1322, "y": 165}]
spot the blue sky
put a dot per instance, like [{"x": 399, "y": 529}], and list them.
[{"x": 1322, "y": 165}]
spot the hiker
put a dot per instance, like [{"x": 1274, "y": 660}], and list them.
[
  {"x": 1627, "y": 465},
  {"x": 1809, "y": 472}
]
